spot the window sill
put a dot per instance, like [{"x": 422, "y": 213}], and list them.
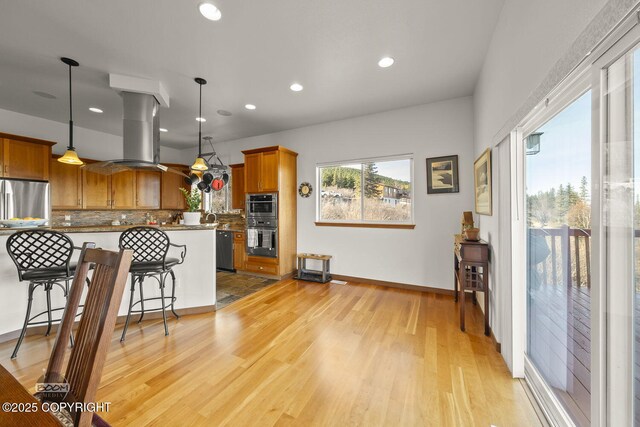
[{"x": 365, "y": 225}]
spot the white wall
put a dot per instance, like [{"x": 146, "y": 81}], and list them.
[
  {"x": 422, "y": 256},
  {"x": 530, "y": 38},
  {"x": 89, "y": 143}
]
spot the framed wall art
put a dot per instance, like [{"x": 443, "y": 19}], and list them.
[
  {"x": 482, "y": 183},
  {"x": 442, "y": 175}
]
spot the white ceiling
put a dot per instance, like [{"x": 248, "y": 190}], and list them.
[{"x": 251, "y": 55}]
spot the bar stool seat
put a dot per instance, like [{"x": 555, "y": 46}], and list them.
[
  {"x": 158, "y": 266},
  {"x": 51, "y": 273}
]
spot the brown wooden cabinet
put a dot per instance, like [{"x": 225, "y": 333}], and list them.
[
  {"x": 66, "y": 185},
  {"x": 261, "y": 171},
  {"x": 237, "y": 186},
  {"x": 239, "y": 251},
  {"x": 274, "y": 170},
  {"x": 123, "y": 190},
  {"x": 25, "y": 158},
  {"x": 96, "y": 190},
  {"x": 170, "y": 184},
  {"x": 148, "y": 189}
]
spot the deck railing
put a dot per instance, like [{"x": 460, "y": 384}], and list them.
[{"x": 569, "y": 261}]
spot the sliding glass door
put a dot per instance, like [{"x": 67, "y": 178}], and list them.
[
  {"x": 558, "y": 215},
  {"x": 581, "y": 151}
]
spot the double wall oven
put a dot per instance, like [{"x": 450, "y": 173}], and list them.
[{"x": 262, "y": 224}]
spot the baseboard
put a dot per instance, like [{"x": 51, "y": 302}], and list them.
[
  {"x": 496, "y": 343},
  {"x": 41, "y": 329},
  {"x": 393, "y": 284}
]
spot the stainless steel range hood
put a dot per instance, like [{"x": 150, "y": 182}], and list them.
[{"x": 141, "y": 137}]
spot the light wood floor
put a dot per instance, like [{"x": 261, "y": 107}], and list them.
[{"x": 299, "y": 353}]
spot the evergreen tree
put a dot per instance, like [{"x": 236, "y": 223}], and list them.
[
  {"x": 372, "y": 188},
  {"x": 584, "y": 190}
]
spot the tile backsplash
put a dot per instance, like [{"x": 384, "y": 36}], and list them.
[{"x": 87, "y": 217}]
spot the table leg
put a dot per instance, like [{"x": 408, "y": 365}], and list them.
[
  {"x": 455, "y": 278},
  {"x": 462, "y": 308},
  {"x": 487, "y": 329},
  {"x": 324, "y": 271}
]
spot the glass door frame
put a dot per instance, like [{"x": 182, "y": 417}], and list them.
[
  {"x": 612, "y": 392},
  {"x": 614, "y": 266},
  {"x": 573, "y": 87}
]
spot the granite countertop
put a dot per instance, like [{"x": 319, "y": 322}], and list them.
[{"x": 111, "y": 228}]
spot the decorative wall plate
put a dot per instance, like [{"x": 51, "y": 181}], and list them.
[{"x": 305, "y": 189}]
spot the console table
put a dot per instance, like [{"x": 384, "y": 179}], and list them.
[{"x": 471, "y": 273}]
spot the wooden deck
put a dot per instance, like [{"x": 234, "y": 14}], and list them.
[{"x": 563, "y": 344}]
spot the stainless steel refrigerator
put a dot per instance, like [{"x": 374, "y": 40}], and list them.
[{"x": 20, "y": 199}]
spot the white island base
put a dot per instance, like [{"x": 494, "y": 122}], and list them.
[{"x": 195, "y": 278}]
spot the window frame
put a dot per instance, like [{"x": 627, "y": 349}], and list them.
[{"x": 409, "y": 224}]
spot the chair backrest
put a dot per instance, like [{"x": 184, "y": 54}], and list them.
[
  {"x": 149, "y": 244},
  {"x": 39, "y": 249},
  {"x": 96, "y": 327}
]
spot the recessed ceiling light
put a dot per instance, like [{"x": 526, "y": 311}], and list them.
[
  {"x": 95, "y": 110},
  {"x": 385, "y": 62},
  {"x": 250, "y": 107},
  {"x": 224, "y": 113},
  {"x": 201, "y": 119},
  {"x": 296, "y": 87},
  {"x": 209, "y": 11},
  {"x": 163, "y": 130}
]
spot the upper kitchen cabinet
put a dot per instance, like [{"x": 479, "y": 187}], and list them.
[
  {"x": 66, "y": 185},
  {"x": 148, "y": 189},
  {"x": 25, "y": 158},
  {"x": 237, "y": 186},
  {"x": 170, "y": 184},
  {"x": 96, "y": 190},
  {"x": 262, "y": 168},
  {"x": 123, "y": 190}
]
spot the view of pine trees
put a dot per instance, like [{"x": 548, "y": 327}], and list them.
[
  {"x": 343, "y": 187},
  {"x": 565, "y": 205}
]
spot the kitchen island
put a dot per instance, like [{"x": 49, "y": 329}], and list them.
[{"x": 195, "y": 278}]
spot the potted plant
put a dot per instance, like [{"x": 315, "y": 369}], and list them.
[{"x": 193, "y": 199}]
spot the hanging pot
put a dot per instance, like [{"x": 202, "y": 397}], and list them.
[
  {"x": 202, "y": 186},
  {"x": 207, "y": 177},
  {"x": 225, "y": 178},
  {"x": 192, "y": 179},
  {"x": 217, "y": 184}
]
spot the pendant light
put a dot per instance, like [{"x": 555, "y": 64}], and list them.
[
  {"x": 70, "y": 156},
  {"x": 200, "y": 164}
]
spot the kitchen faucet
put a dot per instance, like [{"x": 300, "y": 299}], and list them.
[{"x": 215, "y": 217}]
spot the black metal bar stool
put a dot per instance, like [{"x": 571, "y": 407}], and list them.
[
  {"x": 150, "y": 247},
  {"x": 43, "y": 258}
]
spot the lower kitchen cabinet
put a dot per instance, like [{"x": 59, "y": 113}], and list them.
[
  {"x": 262, "y": 265},
  {"x": 239, "y": 251}
]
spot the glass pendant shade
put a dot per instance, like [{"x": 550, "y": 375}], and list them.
[
  {"x": 199, "y": 165},
  {"x": 71, "y": 158}
]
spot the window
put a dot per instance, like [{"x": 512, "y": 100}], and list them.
[
  {"x": 377, "y": 191},
  {"x": 218, "y": 201}
]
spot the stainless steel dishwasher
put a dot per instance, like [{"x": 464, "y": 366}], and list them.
[{"x": 224, "y": 250}]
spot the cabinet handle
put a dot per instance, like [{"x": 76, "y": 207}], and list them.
[
  {"x": 79, "y": 202},
  {"x": 6, "y": 168}
]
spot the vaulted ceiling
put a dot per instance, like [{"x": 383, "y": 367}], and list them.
[{"x": 252, "y": 55}]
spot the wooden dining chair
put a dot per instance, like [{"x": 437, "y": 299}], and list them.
[{"x": 95, "y": 328}]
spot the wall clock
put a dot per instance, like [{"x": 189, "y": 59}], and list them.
[{"x": 305, "y": 189}]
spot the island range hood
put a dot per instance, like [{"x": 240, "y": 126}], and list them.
[{"x": 140, "y": 131}]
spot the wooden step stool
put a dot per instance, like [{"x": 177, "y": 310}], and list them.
[{"x": 321, "y": 276}]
